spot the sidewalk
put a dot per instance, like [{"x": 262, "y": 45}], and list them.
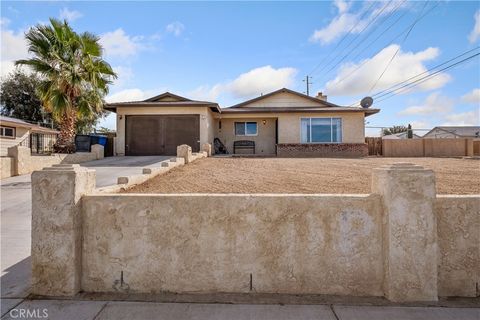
[{"x": 101, "y": 310}]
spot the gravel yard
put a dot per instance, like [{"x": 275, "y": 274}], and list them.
[{"x": 293, "y": 175}]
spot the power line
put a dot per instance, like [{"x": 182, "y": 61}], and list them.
[
  {"x": 391, "y": 41},
  {"x": 341, "y": 41},
  {"x": 427, "y": 71},
  {"x": 398, "y": 49},
  {"x": 355, "y": 38},
  {"x": 421, "y": 80}
]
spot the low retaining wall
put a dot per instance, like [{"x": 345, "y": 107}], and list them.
[
  {"x": 427, "y": 147},
  {"x": 24, "y": 162},
  {"x": 213, "y": 243},
  {"x": 7, "y": 169},
  {"x": 458, "y": 226},
  {"x": 401, "y": 241},
  {"x": 322, "y": 150}
]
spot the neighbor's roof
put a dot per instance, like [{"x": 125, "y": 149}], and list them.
[
  {"x": 323, "y": 106},
  {"x": 166, "y": 99},
  {"x": 461, "y": 131},
  {"x": 14, "y": 122}
]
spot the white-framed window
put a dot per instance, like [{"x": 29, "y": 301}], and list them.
[
  {"x": 246, "y": 129},
  {"x": 7, "y": 132},
  {"x": 321, "y": 130}
]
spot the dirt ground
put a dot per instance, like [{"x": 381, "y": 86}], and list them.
[{"x": 289, "y": 175}]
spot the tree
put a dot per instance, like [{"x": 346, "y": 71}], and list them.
[
  {"x": 74, "y": 77},
  {"x": 19, "y": 98},
  {"x": 409, "y": 132},
  {"x": 394, "y": 130}
]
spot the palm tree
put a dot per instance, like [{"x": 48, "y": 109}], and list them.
[{"x": 74, "y": 76}]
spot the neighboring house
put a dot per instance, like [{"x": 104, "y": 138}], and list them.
[
  {"x": 283, "y": 123},
  {"x": 15, "y": 131},
  {"x": 454, "y": 132},
  {"x": 401, "y": 135}
]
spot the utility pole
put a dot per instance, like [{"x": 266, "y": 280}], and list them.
[{"x": 308, "y": 83}]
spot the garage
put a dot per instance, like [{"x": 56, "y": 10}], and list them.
[{"x": 148, "y": 135}]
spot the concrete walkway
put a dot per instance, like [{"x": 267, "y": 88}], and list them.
[{"x": 115, "y": 310}]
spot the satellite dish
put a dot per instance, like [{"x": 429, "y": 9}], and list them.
[{"x": 366, "y": 102}]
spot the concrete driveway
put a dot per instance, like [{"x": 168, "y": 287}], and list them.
[
  {"x": 109, "y": 169},
  {"x": 16, "y": 215}
]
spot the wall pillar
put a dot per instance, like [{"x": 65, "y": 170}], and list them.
[
  {"x": 21, "y": 159},
  {"x": 207, "y": 147},
  {"x": 185, "y": 151},
  {"x": 57, "y": 228},
  {"x": 409, "y": 231}
]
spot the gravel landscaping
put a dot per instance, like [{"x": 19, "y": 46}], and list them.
[{"x": 293, "y": 175}]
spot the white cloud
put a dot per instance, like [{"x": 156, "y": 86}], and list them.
[
  {"x": 118, "y": 43},
  {"x": 70, "y": 15},
  {"x": 350, "y": 81},
  {"x": 475, "y": 33},
  {"x": 346, "y": 21},
  {"x": 124, "y": 74},
  {"x": 13, "y": 47},
  {"x": 472, "y": 97},
  {"x": 469, "y": 118},
  {"x": 127, "y": 95},
  {"x": 249, "y": 84},
  {"x": 434, "y": 104},
  {"x": 206, "y": 93},
  {"x": 261, "y": 80},
  {"x": 175, "y": 28}
]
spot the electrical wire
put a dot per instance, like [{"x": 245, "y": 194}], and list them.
[
  {"x": 341, "y": 41},
  {"x": 398, "y": 49}
]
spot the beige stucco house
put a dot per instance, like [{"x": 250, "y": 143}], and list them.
[
  {"x": 282, "y": 123},
  {"x": 15, "y": 132}
]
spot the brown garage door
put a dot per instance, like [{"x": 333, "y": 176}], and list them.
[{"x": 147, "y": 135}]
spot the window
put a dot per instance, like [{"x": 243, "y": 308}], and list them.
[
  {"x": 7, "y": 132},
  {"x": 245, "y": 128},
  {"x": 324, "y": 130}
]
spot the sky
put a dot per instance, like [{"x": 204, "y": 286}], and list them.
[{"x": 229, "y": 52}]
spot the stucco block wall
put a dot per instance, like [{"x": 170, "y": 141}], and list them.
[
  {"x": 24, "y": 162},
  {"x": 212, "y": 243},
  {"x": 7, "y": 167},
  {"x": 458, "y": 225},
  {"x": 264, "y": 140},
  {"x": 402, "y": 241},
  {"x": 206, "y": 121}
]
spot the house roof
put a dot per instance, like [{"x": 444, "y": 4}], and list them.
[
  {"x": 305, "y": 109},
  {"x": 166, "y": 99},
  {"x": 14, "y": 122},
  {"x": 323, "y": 106},
  {"x": 460, "y": 131}
]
